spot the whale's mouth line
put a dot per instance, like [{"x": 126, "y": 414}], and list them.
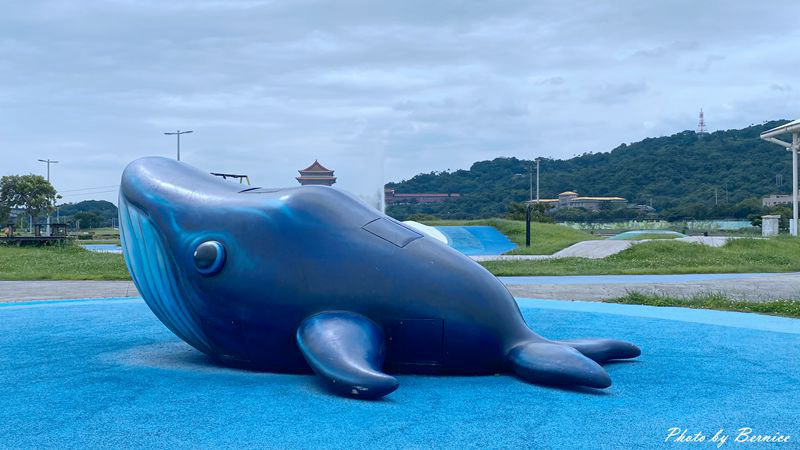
[{"x": 155, "y": 274}]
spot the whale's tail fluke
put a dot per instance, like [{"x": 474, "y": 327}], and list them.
[
  {"x": 568, "y": 363},
  {"x": 602, "y": 350},
  {"x": 556, "y": 364}
]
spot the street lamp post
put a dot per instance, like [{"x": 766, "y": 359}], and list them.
[
  {"x": 178, "y": 134},
  {"x": 528, "y": 224},
  {"x": 529, "y": 203},
  {"x": 48, "y": 162}
]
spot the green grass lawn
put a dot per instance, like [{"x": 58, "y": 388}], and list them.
[
  {"x": 787, "y": 308},
  {"x": 59, "y": 262},
  {"x": 99, "y": 241},
  {"x": 781, "y": 254},
  {"x": 103, "y": 231},
  {"x": 546, "y": 238},
  {"x": 98, "y": 234}
]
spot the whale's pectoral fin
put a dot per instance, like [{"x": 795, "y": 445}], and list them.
[
  {"x": 602, "y": 350},
  {"x": 346, "y": 350},
  {"x": 556, "y": 364}
]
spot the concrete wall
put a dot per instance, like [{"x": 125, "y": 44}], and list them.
[{"x": 769, "y": 225}]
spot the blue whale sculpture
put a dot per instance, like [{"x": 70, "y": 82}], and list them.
[{"x": 284, "y": 280}]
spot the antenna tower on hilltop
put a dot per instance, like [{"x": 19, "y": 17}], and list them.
[{"x": 701, "y": 126}]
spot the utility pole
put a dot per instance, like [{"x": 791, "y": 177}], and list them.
[
  {"x": 715, "y": 197},
  {"x": 530, "y": 182},
  {"x": 178, "y": 133},
  {"x": 48, "y": 162},
  {"x": 529, "y": 205}
]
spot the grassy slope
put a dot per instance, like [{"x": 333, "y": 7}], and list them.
[
  {"x": 546, "y": 238},
  {"x": 63, "y": 262},
  {"x": 664, "y": 257},
  {"x": 788, "y": 308}
]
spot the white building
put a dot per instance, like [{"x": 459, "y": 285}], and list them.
[
  {"x": 572, "y": 199},
  {"x": 775, "y": 200}
]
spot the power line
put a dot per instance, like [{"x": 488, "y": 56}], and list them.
[
  {"x": 91, "y": 188},
  {"x": 90, "y": 193}
]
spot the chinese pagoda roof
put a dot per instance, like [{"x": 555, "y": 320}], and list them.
[{"x": 316, "y": 167}]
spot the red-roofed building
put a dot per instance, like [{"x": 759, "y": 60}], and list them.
[
  {"x": 393, "y": 198},
  {"x": 316, "y": 174}
]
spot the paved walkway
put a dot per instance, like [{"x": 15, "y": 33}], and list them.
[
  {"x": 745, "y": 286},
  {"x": 21, "y": 291},
  {"x": 599, "y": 249},
  {"x": 752, "y": 287}
]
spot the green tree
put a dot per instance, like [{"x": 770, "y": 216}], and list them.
[
  {"x": 516, "y": 211},
  {"x": 4, "y": 214},
  {"x": 31, "y": 192},
  {"x": 572, "y": 214},
  {"x": 105, "y": 209},
  {"x": 89, "y": 219}
]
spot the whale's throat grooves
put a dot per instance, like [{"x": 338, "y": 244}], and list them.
[{"x": 154, "y": 274}]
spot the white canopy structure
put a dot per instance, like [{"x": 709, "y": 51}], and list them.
[{"x": 793, "y": 129}]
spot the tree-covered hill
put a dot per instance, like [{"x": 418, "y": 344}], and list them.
[
  {"x": 677, "y": 174},
  {"x": 91, "y": 213}
]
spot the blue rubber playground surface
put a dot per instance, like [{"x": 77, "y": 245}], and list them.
[
  {"x": 106, "y": 373},
  {"x": 477, "y": 240}
]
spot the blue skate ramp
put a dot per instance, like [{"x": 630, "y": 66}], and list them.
[
  {"x": 108, "y": 374},
  {"x": 477, "y": 240}
]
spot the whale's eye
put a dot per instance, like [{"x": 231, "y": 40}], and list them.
[{"x": 209, "y": 257}]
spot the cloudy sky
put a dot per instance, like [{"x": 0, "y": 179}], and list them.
[{"x": 268, "y": 86}]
